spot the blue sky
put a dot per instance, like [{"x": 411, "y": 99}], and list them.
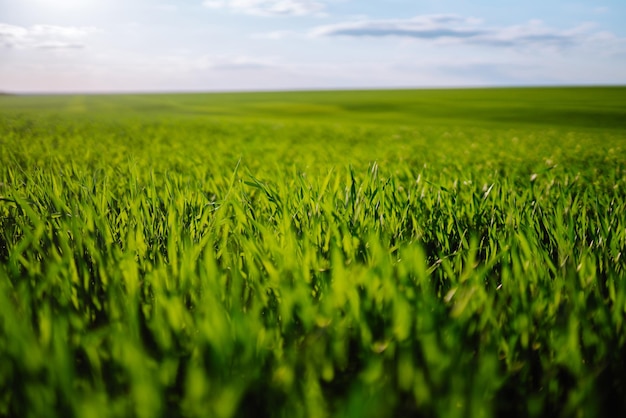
[{"x": 213, "y": 45}]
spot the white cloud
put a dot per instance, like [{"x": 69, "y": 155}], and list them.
[
  {"x": 229, "y": 62},
  {"x": 459, "y": 30},
  {"x": 167, "y": 7},
  {"x": 268, "y": 7},
  {"x": 277, "y": 35},
  {"x": 43, "y": 36},
  {"x": 188, "y": 63}
]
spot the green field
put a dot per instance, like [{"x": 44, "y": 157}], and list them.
[{"x": 429, "y": 253}]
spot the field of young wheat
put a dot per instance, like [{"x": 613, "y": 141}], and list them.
[{"x": 443, "y": 253}]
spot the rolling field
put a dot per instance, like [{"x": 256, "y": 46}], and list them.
[{"x": 430, "y": 253}]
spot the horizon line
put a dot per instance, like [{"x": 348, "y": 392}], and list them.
[{"x": 308, "y": 89}]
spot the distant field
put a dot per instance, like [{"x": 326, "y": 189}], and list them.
[
  {"x": 437, "y": 253},
  {"x": 597, "y": 107}
]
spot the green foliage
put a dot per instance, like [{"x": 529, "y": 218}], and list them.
[{"x": 353, "y": 254}]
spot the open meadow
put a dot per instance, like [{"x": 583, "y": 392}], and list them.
[{"x": 431, "y": 253}]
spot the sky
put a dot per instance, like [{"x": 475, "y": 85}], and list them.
[{"x": 71, "y": 46}]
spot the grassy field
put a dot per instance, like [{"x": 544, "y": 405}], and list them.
[{"x": 435, "y": 253}]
